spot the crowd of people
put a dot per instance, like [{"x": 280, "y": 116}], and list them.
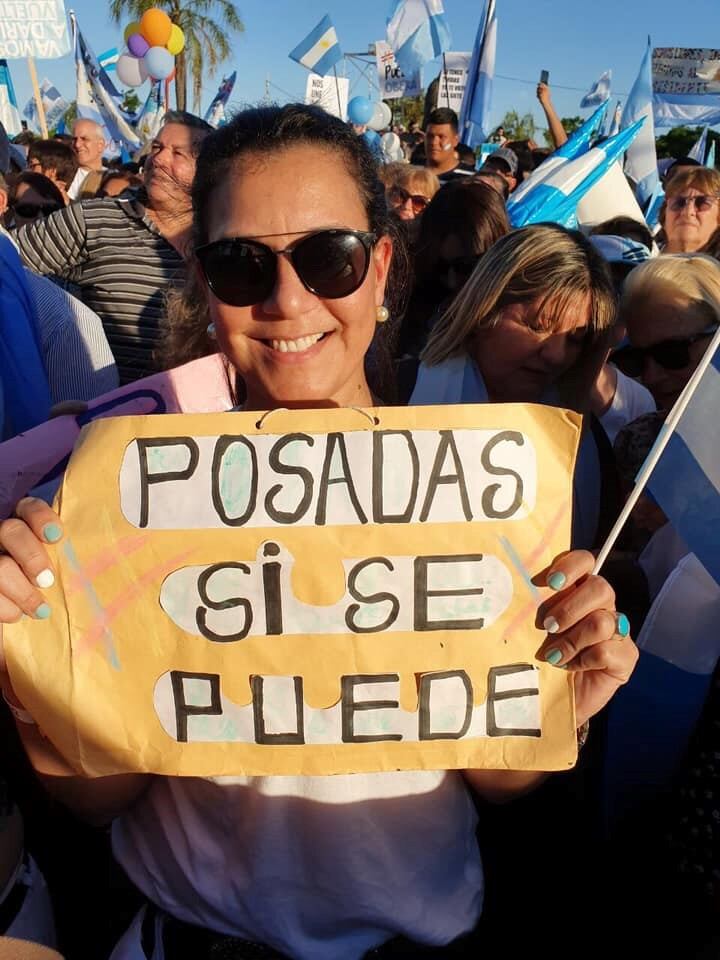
[{"x": 280, "y": 234}]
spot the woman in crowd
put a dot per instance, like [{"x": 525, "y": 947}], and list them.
[
  {"x": 294, "y": 243},
  {"x": 410, "y": 190},
  {"x": 689, "y": 215},
  {"x": 32, "y": 195},
  {"x": 463, "y": 221}
]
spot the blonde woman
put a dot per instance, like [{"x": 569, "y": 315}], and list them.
[
  {"x": 533, "y": 324},
  {"x": 409, "y": 190},
  {"x": 671, "y": 308}
]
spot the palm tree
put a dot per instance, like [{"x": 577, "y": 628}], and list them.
[{"x": 207, "y": 38}]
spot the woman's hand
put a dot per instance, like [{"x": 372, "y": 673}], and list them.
[{"x": 586, "y": 635}]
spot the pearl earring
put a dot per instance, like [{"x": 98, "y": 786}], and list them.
[
  {"x": 382, "y": 314},
  {"x": 211, "y": 331}
]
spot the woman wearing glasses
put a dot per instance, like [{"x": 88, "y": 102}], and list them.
[
  {"x": 671, "y": 308},
  {"x": 690, "y": 214},
  {"x": 410, "y": 190},
  {"x": 294, "y": 244}
]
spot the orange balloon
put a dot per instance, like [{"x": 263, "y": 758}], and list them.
[{"x": 156, "y": 27}]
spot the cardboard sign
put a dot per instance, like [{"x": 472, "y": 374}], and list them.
[
  {"x": 453, "y": 80},
  {"x": 35, "y": 460},
  {"x": 33, "y": 28},
  {"x": 331, "y": 93},
  {"x": 307, "y": 592},
  {"x": 681, "y": 70},
  {"x": 392, "y": 82}
]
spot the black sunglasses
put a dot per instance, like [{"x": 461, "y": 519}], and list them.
[
  {"x": 668, "y": 354},
  {"x": 330, "y": 263},
  {"x": 29, "y": 211},
  {"x": 399, "y": 196}
]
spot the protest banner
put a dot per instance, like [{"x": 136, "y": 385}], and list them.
[
  {"x": 39, "y": 456},
  {"x": 453, "y": 80},
  {"x": 686, "y": 85},
  {"x": 392, "y": 82},
  {"x": 306, "y": 592},
  {"x": 331, "y": 93}
]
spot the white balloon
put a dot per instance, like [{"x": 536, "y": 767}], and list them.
[
  {"x": 130, "y": 70},
  {"x": 382, "y": 115},
  {"x": 390, "y": 142}
]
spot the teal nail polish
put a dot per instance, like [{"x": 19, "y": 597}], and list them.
[
  {"x": 52, "y": 532},
  {"x": 557, "y": 580},
  {"x": 43, "y": 611},
  {"x": 623, "y": 625},
  {"x": 553, "y": 656}
]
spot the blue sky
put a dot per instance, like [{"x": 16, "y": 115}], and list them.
[{"x": 575, "y": 40}]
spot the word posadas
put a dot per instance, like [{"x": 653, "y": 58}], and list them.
[{"x": 309, "y": 592}]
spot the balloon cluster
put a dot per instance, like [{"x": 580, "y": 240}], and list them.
[
  {"x": 376, "y": 116},
  {"x": 152, "y": 45}
]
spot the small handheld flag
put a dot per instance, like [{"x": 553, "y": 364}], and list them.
[
  {"x": 599, "y": 92},
  {"x": 320, "y": 50}
]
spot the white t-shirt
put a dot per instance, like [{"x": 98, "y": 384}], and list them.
[
  {"x": 316, "y": 867},
  {"x": 631, "y": 401},
  {"x": 78, "y": 180}
]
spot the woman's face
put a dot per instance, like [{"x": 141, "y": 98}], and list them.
[
  {"x": 667, "y": 316},
  {"x": 689, "y": 227},
  {"x": 519, "y": 358},
  {"x": 274, "y": 345},
  {"x": 409, "y": 201}
]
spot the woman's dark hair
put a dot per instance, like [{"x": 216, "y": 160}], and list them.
[
  {"x": 262, "y": 132},
  {"x": 41, "y": 184},
  {"x": 53, "y": 154},
  {"x": 524, "y": 152},
  {"x": 468, "y": 209}
]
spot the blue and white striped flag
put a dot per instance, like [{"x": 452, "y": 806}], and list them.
[
  {"x": 9, "y": 116},
  {"x": 417, "y": 32},
  {"x": 641, "y": 159},
  {"x": 97, "y": 97},
  {"x": 54, "y": 105},
  {"x": 699, "y": 148},
  {"x": 475, "y": 110},
  {"x": 555, "y": 198},
  {"x": 599, "y": 92},
  {"x": 612, "y": 125},
  {"x": 576, "y": 144},
  {"x": 320, "y": 50},
  {"x": 686, "y": 480},
  {"x": 109, "y": 59},
  {"x": 710, "y": 162}
]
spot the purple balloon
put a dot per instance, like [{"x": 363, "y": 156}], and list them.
[{"x": 138, "y": 45}]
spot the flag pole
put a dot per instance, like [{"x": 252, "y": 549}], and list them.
[
  {"x": 38, "y": 98},
  {"x": 652, "y": 458},
  {"x": 337, "y": 91},
  {"x": 447, "y": 89}
]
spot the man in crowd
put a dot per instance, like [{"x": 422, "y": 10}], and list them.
[
  {"x": 505, "y": 162},
  {"x": 123, "y": 255},
  {"x": 441, "y": 140},
  {"x": 89, "y": 144},
  {"x": 55, "y": 160}
]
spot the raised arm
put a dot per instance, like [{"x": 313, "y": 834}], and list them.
[
  {"x": 55, "y": 245},
  {"x": 557, "y": 130}
]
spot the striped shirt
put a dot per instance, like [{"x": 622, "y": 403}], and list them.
[{"x": 120, "y": 265}]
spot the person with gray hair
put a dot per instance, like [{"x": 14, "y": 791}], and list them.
[{"x": 123, "y": 255}]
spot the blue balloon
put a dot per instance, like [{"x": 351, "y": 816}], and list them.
[
  {"x": 159, "y": 63},
  {"x": 360, "y": 110},
  {"x": 374, "y": 141}
]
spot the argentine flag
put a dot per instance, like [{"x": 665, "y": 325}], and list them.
[
  {"x": 641, "y": 160},
  {"x": 686, "y": 480},
  {"x": 417, "y": 32},
  {"x": 554, "y": 199},
  {"x": 320, "y": 50}
]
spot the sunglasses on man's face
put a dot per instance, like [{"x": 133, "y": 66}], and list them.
[
  {"x": 30, "y": 211},
  {"x": 330, "y": 263},
  {"x": 668, "y": 354},
  {"x": 398, "y": 197},
  {"x": 702, "y": 203}
]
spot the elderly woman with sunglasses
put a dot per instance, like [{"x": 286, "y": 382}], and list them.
[
  {"x": 293, "y": 245},
  {"x": 691, "y": 211},
  {"x": 409, "y": 190}
]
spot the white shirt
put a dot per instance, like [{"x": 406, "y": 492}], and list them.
[
  {"x": 631, "y": 400},
  {"x": 78, "y": 180}
]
